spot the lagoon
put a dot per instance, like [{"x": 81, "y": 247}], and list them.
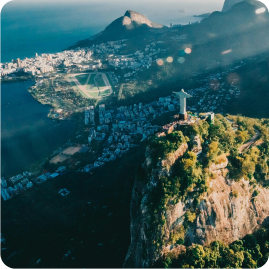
[{"x": 27, "y": 134}]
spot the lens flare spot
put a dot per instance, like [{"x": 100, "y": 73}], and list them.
[
  {"x": 160, "y": 62},
  {"x": 181, "y": 60},
  {"x": 260, "y": 10},
  {"x": 211, "y": 35},
  {"x": 214, "y": 84},
  {"x": 233, "y": 79},
  {"x": 188, "y": 50},
  {"x": 170, "y": 59},
  {"x": 226, "y": 52}
]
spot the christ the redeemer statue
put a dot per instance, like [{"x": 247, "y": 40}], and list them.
[{"x": 182, "y": 96}]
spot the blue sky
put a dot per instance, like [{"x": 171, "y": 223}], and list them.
[{"x": 179, "y": 2}]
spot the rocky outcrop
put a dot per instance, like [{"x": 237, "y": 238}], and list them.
[
  {"x": 129, "y": 26},
  {"x": 228, "y": 211},
  {"x": 131, "y": 16},
  {"x": 171, "y": 158},
  {"x": 141, "y": 252},
  {"x": 131, "y": 20}
]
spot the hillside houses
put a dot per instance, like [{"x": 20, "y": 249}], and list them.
[
  {"x": 119, "y": 126},
  {"x": 137, "y": 61}
]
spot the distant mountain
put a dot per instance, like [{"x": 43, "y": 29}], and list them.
[
  {"x": 132, "y": 16},
  {"x": 136, "y": 27},
  {"x": 240, "y": 18},
  {"x": 131, "y": 25},
  {"x": 205, "y": 15},
  {"x": 228, "y": 4}
]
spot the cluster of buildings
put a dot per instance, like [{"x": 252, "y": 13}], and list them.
[
  {"x": 214, "y": 95},
  {"x": 79, "y": 58},
  {"x": 137, "y": 61},
  {"x": 89, "y": 115},
  {"x": 109, "y": 47},
  {"x": 18, "y": 183},
  {"x": 21, "y": 182},
  {"x": 7, "y": 69},
  {"x": 44, "y": 177},
  {"x": 119, "y": 126},
  {"x": 45, "y": 63}
]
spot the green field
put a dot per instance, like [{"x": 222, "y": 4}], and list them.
[
  {"x": 106, "y": 92},
  {"x": 95, "y": 94},
  {"x": 82, "y": 78},
  {"x": 73, "y": 84},
  {"x": 91, "y": 80},
  {"x": 100, "y": 81},
  {"x": 90, "y": 87}
]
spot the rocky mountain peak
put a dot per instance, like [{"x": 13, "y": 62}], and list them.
[{"x": 133, "y": 16}]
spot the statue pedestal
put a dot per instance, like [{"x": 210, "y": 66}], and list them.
[{"x": 183, "y": 116}]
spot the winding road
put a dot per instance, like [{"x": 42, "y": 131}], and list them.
[{"x": 250, "y": 142}]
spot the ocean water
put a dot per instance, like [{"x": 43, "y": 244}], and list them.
[
  {"x": 50, "y": 26},
  {"x": 27, "y": 134}
]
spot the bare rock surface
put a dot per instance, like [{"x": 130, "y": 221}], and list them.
[
  {"x": 139, "y": 18},
  {"x": 227, "y": 212},
  {"x": 131, "y": 20}
]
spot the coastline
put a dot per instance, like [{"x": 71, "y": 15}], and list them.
[{"x": 51, "y": 125}]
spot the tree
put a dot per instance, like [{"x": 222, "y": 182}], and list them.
[
  {"x": 248, "y": 261},
  {"x": 240, "y": 136}
]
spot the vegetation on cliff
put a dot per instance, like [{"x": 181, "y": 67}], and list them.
[
  {"x": 238, "y": 143},
  {"x": 250, "y": 252}
]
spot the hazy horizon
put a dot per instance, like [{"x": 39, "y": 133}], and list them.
[
  {"x": 107, "y": 11},
  {"x": 48, "y": 27}
]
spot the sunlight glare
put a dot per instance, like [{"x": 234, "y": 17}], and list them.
[
  {"x": 188, "y": 50},
  {"x": 181, "y": 60},
  {"x": 160, "y": 62},
  {"x": 226, "y": 51},
  {"x": 260, "y": 10},
  {"x": 170, "y": 59}
]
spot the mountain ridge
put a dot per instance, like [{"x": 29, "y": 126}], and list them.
[{"x": 229, "y": 4}]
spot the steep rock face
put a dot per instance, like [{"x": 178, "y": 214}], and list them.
[
  {"x": 131, "y": 20},
  {"x": 227, "y": 212},
  {"x": 141, "y": 253},
  {"x": 132, "y": 24},
  {"x": 139, "y": 18}
]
